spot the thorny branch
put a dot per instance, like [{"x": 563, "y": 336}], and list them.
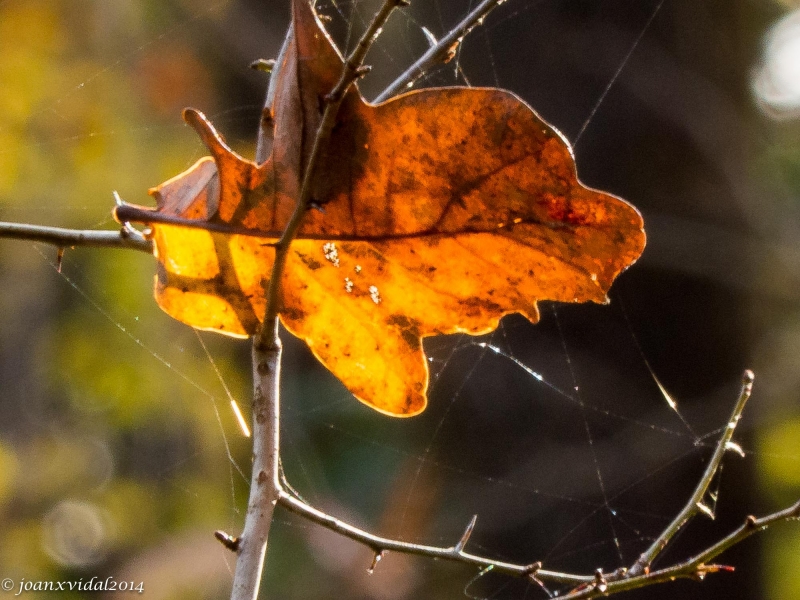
[
  {"x": 68, "y": 238},
  {"x": 441, "y": 52},
  {"x": 437, "y": 54},
  {"x": 265, "y": 485},
  {"x": 586, "y": 586},
  {"x": 696, "y": 567},
  {"x": 454, "y": 553},
  {"x": 695, "y": 504}
]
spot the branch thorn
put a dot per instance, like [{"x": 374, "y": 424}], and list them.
[
  {"x": 264, "y": 65},
  {"x": 230, "y": 542},
  {"x": 733, "y": 446},
  {"x": 375, "y": 560},
  {"x": 533, "y": 568},
  {"x": 466, "y": 535},
  {"x": 705, "y": 510},
  {"x": 432, "y": 41},
  {"x": 59, "y": 258}
]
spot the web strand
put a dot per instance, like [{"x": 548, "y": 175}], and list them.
[
  {"x": 617, "y": 73},
  {"x": 589, "y": 437},
  {"x": 136, "y": 340}
]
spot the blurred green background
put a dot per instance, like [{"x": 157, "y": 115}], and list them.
[{"x": 119, "y": 454}]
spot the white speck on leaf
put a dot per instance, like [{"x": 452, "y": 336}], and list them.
[
  {"x": 331, "y": 253},
  {"x": 374, "y": 294}
]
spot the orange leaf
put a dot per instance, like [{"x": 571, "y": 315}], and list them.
[{"x": 440, "y": 211}]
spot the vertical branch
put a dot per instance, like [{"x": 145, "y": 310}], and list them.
[
  {"x": 265, "y": 484},
  {"x": 265, "y": 487},
  {"x": 695, "y": 503}
]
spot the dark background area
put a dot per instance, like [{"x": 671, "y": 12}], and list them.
[{"x": 112, "y": 462}]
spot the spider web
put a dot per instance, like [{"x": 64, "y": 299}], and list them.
[{"x": 562, "y": 437}]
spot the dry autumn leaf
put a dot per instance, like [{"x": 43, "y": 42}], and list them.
[{"x": 440, "y": 211}]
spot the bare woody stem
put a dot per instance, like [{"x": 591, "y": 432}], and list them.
[
  {"x": 695, "y": 504},
  {"x": 588, "y": 586},
  {"x": 265, "y": 486},
  {"x": 696, "y": 567},
  {"x": 441, "y": 52},
  {"x": 265, "y": 483},
  {"x": 453, "y": 553},
  {"x": 68, "y": 238}
]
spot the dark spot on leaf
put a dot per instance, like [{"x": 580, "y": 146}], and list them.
[
  {"x": 309, "y": 261},
  {"x": 293, "y": 314}
]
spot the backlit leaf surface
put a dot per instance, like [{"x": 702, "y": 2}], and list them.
[{"x": 439, "y": 212}]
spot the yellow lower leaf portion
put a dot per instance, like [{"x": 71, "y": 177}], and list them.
[{"x": 364, "y": 307}]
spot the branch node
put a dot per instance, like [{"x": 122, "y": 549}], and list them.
[
  {"x": 451, "y": 51},
  {"x": 229, "y": 541},
  {"x": 750, "y": 522},
  {"x": 466, "y": 535},
  {"x": 600, "y": 582},
  {"x": 127, "y": 231},
  {"x": 734, "y": 447},
  {"x": 531, "y": 570},
  {"x": 620, "y": 573},
  {"x": 362, "y": 71},
  {"x": 705, "y": 510}
]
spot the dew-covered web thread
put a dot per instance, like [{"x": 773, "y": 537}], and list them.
[
  {"x": 117, "y": 322},
  {"x": 618, "y": 72}
]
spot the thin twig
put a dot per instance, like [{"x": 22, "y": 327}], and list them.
[
  {"x": 695, "y": 504},
  {"x": 441, "y": 51},
  {"x": 588, "y": 586},
  {"x": 696, "y": 567},
  {"x": 68, "y": 238},
  {"x": 453, "y": 553}
]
